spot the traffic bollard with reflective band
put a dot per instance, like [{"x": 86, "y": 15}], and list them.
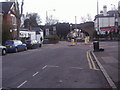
[{"x": 73, "y": 42}]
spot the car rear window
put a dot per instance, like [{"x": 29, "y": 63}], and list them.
[
  {"x": 27, "y": 41},
  {"x": 9, "y": 42}
]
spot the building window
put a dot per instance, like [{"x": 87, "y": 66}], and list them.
[{"x": 13, "y": 20}]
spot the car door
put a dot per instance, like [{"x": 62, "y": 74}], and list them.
[
  {"x": 22, "y": 46},
  {"x": 19, "y": 45}
]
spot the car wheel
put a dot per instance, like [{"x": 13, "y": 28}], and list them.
[
  {"x": 40, "y": 45},
  {"x": 16, "y": 50},
  {"x": 25, "y": 48},
  {"x": 3, "y": 52}
]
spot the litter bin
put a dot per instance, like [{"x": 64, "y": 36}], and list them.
[{"x": 96, "y": 46}]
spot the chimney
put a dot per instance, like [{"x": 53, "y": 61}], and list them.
[{"x": 104, "y": 10}]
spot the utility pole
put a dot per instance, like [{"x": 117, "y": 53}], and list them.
[
  {"x": 75, "y": 22},
  {"x": 98, "y": 17},
  {"x": 46, "y": 17},
  {"x": 98, "y": 32}
]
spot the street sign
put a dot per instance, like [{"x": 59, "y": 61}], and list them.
[{"x": 47, "y": 31}]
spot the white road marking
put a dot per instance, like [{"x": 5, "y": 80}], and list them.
[
  {"x": 22, "y": 84},
  {"x": 76, "y": 67},
  {"x": 44, "y": 67},
  {"x": 35, "y": 74},
  {"x": 52, "y": 66}
]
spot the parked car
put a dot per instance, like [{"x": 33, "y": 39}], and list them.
[
  {"x": 2, "y": 50},
  {"x": 15, "y": 46},
  {"x": 78, "y": 39},
  {"x": 31, "y": 44}
]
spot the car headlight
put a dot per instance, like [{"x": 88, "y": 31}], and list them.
[{"x": 11, "y": 46}]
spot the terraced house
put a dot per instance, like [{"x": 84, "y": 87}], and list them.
[{"x": 8, "y": 18}]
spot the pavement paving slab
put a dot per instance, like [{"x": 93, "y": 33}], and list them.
[{"x": 109, "y": 60}]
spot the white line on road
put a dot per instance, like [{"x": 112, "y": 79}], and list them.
[
  {"x": 35, "y": 74},
  {"x": 21, "y": 84},
  {"x": 76, "y": 67},
  {"x": 52, "y": 66},
  {"x": 44, "y": 67}
]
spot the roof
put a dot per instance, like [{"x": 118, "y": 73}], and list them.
[
  {"x": 111, "y": 13},
  {"x": 6, "y": 6},
  {"x": 37, "y": 29}
]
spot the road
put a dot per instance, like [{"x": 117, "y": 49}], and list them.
[{"x": 52, "y": 66}]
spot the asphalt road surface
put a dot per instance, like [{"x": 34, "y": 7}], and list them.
[{"x": 52, "y": 66}]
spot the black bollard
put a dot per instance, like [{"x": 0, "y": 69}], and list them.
[{"x": 96, "y": 46}]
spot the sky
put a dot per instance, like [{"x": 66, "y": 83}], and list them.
[{"x": 66, "y": 10}]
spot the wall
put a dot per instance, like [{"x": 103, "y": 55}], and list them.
[{"x": 104, "y": 22}]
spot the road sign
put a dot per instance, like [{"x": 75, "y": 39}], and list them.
[{"x": 47, "y": 31}]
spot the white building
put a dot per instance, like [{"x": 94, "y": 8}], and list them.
[{"x": 106, "y": 21}]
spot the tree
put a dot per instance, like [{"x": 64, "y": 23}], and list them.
[
  {"x": 83, "y": 19},
  {"x": 33, "y": 19},
  {"x": 18, "y": 14},
  {"x": 89, "y": 18},
  {"x": 51, "y": 20},
  {"x": 86, "y": 19}
]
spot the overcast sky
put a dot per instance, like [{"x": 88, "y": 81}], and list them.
[{"x": 66, "y": 10}]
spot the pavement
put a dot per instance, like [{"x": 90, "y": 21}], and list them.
[{"x": 109, "y": 60}]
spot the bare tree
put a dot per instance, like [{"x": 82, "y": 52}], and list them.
[
  {"x": 83, "y": 19},
  {"x": 51, "y": 20},
  {"x": 89, "y": 18},
  {"x": 18, "y": 14}
]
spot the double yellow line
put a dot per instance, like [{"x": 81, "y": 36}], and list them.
[{"x": 90, "y": 61}]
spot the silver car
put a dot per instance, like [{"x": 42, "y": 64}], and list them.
[{"x": 2, "y": 50}]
